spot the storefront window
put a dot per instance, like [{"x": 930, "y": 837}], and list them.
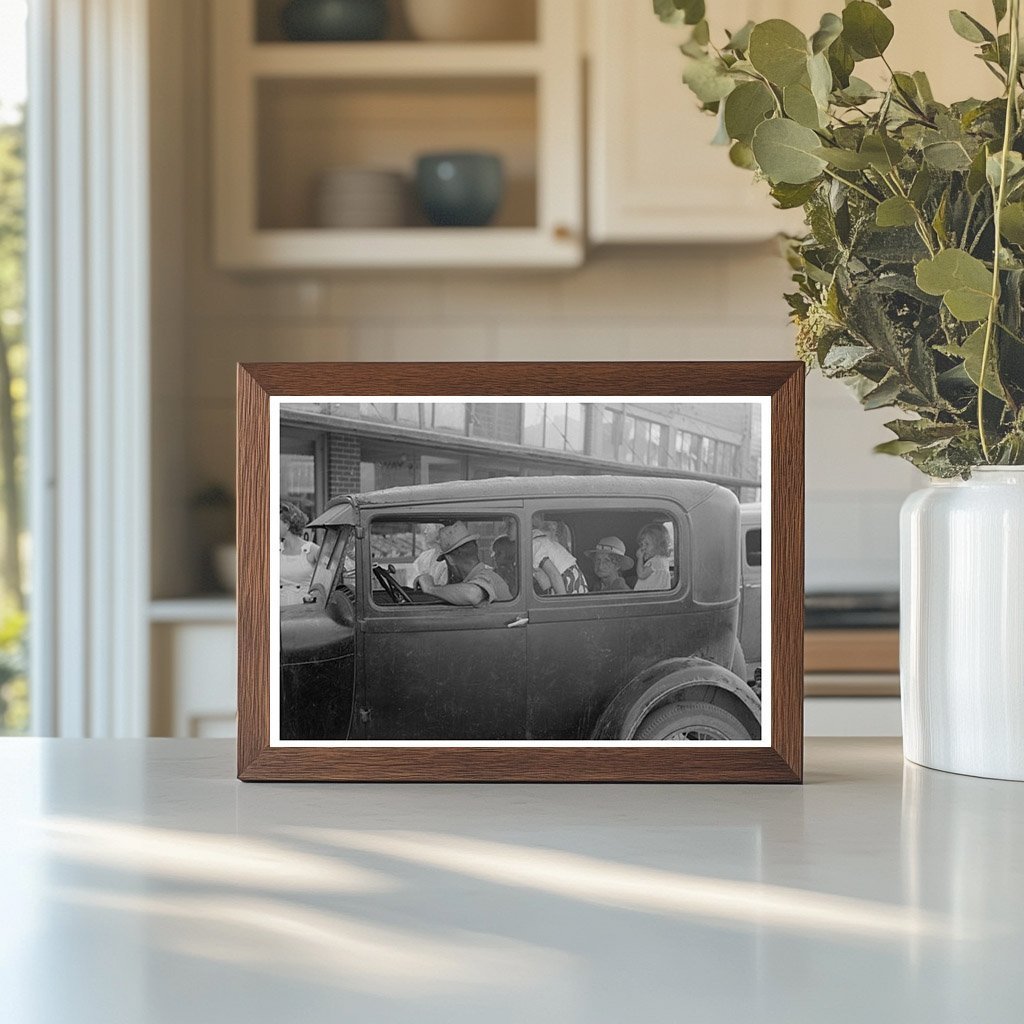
[{"x": 450, "y": 416}]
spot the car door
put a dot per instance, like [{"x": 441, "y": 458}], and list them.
[
  {"x": 583, "y": 648},
  {"x": 438, "y": 671}
]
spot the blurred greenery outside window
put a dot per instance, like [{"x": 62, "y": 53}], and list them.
[{"x": 14, "y": 694}]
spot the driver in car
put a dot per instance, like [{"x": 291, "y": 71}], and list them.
[{"x": 480, "y": 584}]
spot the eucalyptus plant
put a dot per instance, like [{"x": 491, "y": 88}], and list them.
[{"x": 910, "y": 278}]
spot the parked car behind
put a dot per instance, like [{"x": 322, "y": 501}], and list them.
[
  {"x": 368, "y": 657},
  {"x": 750, "y": 606}
]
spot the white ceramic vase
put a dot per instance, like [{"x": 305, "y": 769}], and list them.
[{"x": 962, "y": 624}]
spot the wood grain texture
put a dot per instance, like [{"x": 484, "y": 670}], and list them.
[
  {"x": 782, "y": 762},
  {"x": 852, "y": 650}
]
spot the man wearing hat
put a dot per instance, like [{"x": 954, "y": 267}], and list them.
[
  {"x": 610, "y": 561},
  {"x": 480, "y": 583}
]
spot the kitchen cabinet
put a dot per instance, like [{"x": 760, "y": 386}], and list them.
[
  {"x": 653, "y": 175},
  {"x": 287, "y": 113}
]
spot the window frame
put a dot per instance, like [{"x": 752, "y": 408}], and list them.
[
  {"x": 415, "y": 516},
  {"x": 659, "y": 511}
]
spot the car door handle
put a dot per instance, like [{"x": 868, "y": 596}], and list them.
[{"x": 515, "y": 623}]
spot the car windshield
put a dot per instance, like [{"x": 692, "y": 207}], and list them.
[{"x": 336, "y": 548}]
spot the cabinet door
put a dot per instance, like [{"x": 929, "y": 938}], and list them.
[{"x": 654, "y": 176}]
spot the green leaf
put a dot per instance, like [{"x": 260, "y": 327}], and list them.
[
  {"x": 745, "y": 108},
  {"x": 1014, "y": 169},
  {"x": 883, "y": 153},
  {"x": 778, "y": 50},
  {"x": 947, "y": 156},
  {"x": 844, "y": 159},
  {"x": 921, "y": 185},
  {"x": 923, "y": 431},
  {"x": 971, "y": 352},
  {"x": 841, "y": 60},
  {"x": 820, "y": 76},
  {"x": 830, "y": 29},
  {"x": 789, "y": 197},
  {"x": 968, "y": 28},
  {"x": 885, "y": 394},
  {"x": 739, "y": 41},
  {"x": 866, "y": 29},
  {"x": 708, "y": 80},
  {"x": 963, "y": 281},
  {"x": 939, "y": 220},
  {"x": 924, "y": 88},
  {"x": 858, "y": 91},
  {"x": 976, "y": 174},
  {"x": 676, "y": 12},
  {"x": 895, "y": 447},
  {"x": 800, "y": 105},
  {"x": 785, "y": 152},
  {"x": 896, "y": 212},
  {"x": 741, "y": 155},
  {"x": 1012, "y": 224}
]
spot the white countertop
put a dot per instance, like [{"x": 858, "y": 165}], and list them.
[{"x": 143, "y": 884}]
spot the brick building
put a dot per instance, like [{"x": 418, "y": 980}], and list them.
[{"x": 330, "y": 448}]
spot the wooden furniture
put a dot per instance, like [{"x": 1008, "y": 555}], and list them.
[
  {"x": 285, "y": 112},
  {"x": 145, "y": 884}
]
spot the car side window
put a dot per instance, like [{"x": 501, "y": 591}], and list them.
[
  {"x": 752, "y": 547},
  {"x": 448, "y": 550},
  {"x": 604, "y": 550}
]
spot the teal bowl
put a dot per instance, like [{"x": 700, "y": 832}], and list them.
[
  {"x": 460, "y": 190},
  {"x": 334, "y": 21}
]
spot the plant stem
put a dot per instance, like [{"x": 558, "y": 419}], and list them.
[
  {"x": 854, "y": 186},
  {"x": 993, "y": 309}
]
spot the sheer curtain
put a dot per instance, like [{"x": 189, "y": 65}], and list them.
[{"x": 88, "y": 299}]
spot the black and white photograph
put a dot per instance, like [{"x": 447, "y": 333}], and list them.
[{"x": 519, "y": 572}]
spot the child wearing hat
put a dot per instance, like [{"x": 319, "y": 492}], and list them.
[{"x": 610, "y": 561}]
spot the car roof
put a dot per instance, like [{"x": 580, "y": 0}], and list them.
[{"x": 688, "y": 493}]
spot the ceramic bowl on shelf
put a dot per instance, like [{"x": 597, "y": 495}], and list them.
[
  {"x": 460, "y": 189},
  {"x": 361, "y": 198},
  {"x": 334, "y": 21},
  {"x": 470, "y": 20}
]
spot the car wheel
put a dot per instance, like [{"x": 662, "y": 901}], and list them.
[{"x": 689, "y": 722}]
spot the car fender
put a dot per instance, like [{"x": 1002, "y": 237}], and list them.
[{"x": 671, "y": 678}]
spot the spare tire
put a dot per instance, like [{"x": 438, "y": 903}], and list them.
[{"x": 689, "y": 722}]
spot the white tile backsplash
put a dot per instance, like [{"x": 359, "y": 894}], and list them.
[{"x": 715, "y": 303}]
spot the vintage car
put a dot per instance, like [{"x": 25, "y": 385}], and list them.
[{"x": 368, "y": 656}]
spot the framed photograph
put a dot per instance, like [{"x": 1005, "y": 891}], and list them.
[{"x": 520, "y": 572}]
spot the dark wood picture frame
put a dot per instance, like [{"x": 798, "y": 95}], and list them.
[{"x": 782, "y": 761}]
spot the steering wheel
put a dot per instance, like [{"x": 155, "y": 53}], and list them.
[{"x": 390, "y": 585}]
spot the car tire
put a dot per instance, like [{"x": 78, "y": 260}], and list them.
[{"x": 691, "y": 722}]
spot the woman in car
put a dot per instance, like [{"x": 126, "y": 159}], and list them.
[{"x": 298, "y": 556}]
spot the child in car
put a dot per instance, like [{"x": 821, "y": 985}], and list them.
[
  {"x": 610, "y": 561},
  {"x": 653, "y": 565}
]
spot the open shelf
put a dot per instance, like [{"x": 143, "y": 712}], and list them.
[
  {"x": 286, "y": 114},
  {"x": 308, "y": 127}
]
